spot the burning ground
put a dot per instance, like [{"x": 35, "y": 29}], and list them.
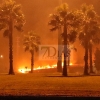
[{"x": 49, "y": 84}]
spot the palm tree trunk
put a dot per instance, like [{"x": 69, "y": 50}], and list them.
[
  {"x": 11, "y": 71},
  {"x": 59, "y": 62},
  {"x": 68, "y": 52},
  {"x": 86, "y": 59},
  {"x": 65, "y": 50},
  {"x": 68, "y": 60},
  {"x": 90, "y": 52},
  {"x": 32, "y": 61}
]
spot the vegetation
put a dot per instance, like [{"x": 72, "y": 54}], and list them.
[
  {"x": 97, "y": 59},
  {"x": 69, "y": 21},
  {"x": 89, "y": 30},
  {"x": 83, "y": 23},
  {"x": 55, "y": 21},
  {"x": 31, "y": 42},
  {"x": 11, "y": 17}
]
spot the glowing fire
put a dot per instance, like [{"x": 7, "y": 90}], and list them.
[
  {"x": 71, "y": 63},
  {"x": 26, "y": 70},
  {"x": 23, "y": 70}
]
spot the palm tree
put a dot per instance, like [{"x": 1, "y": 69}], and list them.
[
  {"x": 95, "y": 39},
  {"x": 61, "y": 20},
  {"x": 88, "y": 32},
  {"x": 11, "y": 17},
  {"x": 84, "y": 41},
  {"x": 97, "y": 59},
  {"x": 56, "y": 25},
  {"x": 69, "y": 21},
  {"x": 31, "y": 42}
]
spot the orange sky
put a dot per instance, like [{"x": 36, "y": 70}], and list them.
[{"x": 36, "y": 14}]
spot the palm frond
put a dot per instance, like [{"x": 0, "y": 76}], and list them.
[
  {"x": 81, "y": 36},
  {"x": 19, "y": 27},
  {"x": 9, "y": 9},
  {"x": 26, "y": 48},
  {"x": 54, "y": 28},
  {"x": 53, "y": 22},
  {"x": 31, "y": 41},
  {"x": 62, "y": 10},
  {"x": 72, "y": 36},
  {"x": 6, "y": 33}
]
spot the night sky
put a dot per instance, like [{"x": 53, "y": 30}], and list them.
[{"x": 37, "y": 16}]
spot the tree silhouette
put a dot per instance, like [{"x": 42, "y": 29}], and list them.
[
  {"x": 69, "y": 21},
  {"x": 88, "y": 34},
  {"x": 11, "y": 17},
  {"x": 55, "y": 21},
  {"x": 97, "y": 59},
  {"x": 31, "y": 42}
]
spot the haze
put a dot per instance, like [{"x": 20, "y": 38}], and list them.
[{"x": 37, "y": 16}]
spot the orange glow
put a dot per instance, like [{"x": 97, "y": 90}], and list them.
[
  {"x": 62, "y": 64},
  {"x": 24, "y": 70},
  {"x": 1, "y": 56},
  {"x": 71, "y": 63}
]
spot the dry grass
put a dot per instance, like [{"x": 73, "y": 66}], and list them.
[{"x": 49, "y": 84}]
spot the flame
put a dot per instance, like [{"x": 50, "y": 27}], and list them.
[
  {"x": 71, "y": 63},
  {"x": 62, "y": 64},
  {"x": 23, "y": 70}
]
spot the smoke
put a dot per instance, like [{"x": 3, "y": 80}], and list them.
[{"x": 37, "y": 16}]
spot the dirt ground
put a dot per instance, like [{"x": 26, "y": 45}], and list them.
[{"x": 49, "y": 85}]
